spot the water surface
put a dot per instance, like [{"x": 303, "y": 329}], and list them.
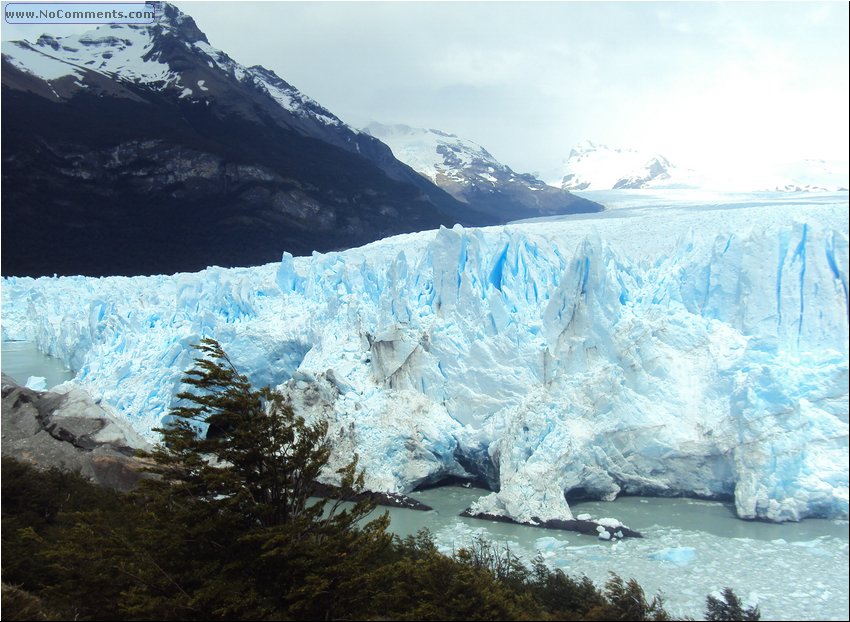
[
  {"x": 691, "y": 548},
  {"x": 22, "y": 359}
]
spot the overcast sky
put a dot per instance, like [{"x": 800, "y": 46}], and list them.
[{"x": 694, "y": 81}]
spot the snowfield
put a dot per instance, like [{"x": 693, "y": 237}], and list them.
[{"x": 700, "y": 347}]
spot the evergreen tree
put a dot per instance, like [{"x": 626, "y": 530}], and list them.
[
  {"x": 258, "y": 460},
  {"x": 627, "y": 601},
  {"x": 729, "y": 608},
  {"x": 228, "y": 527},
  {"x": 246, "y": 494}
]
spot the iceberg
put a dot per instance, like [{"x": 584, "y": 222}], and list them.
[
  {"x": 680, "y": 555},
  {"x": 36, "y": 383},
  {"x": 698, "y": 349}
]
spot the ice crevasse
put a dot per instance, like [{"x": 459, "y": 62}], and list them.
[{"x": 590, "y": 355}]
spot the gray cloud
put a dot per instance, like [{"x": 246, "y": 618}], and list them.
[{"x": 528, "y": 80}]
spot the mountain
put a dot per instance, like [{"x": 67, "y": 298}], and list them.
[
  {"x": 810, "y": 175},
  {"x": 470, "y": 174},
  {"x": 698, "y": 350},
  {"x": 598, "y": 167},
  {"x": 143, "y": 149}
]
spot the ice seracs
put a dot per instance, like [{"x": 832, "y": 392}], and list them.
[{"x": 691, "y": 350}]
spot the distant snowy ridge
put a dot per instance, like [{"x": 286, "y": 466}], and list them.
[
  {"x": 811, "y": 175},
  {"x": 600, "y": 167},
  {"x": 437, "y": 154},
  {"x": 678, "y": 351},
  {"x": 469, "y": 173}
]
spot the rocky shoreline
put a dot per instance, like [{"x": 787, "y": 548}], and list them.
[
  {"x": 65, "y": 429},
  {"x": 387, "y": 499}
]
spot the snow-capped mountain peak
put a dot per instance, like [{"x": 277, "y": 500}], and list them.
[
  {"x": 471, "y": 174},
  {"x": 170, "y": 55},
  {"x": 434, "y": 153},
  {"x": 593, "y": 166},
  {"x": 154, "y": 115},
  {"x": 137, "y": 53}
]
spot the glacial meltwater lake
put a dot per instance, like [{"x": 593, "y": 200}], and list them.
[
  {"x": 22, "y": 359},
  {"x": 690, "y": 548}
]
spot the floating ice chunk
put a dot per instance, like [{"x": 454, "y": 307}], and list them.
[
  {"x": 37, "y": 383},
  {"x": 680, "y": 555},
  {"x": 547, "y": 543}
]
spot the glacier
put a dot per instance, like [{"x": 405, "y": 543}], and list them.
[{"x": 696, "y": 349}]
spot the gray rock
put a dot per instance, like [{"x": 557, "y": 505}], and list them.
[{"x": 65, "y": 429}]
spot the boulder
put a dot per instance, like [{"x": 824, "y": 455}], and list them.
[{"x": 65, "y": 428}]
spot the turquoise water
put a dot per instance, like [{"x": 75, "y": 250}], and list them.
[
  {"x": 691, "y": 548},
  {"x": 641, "y": 513},
  {"x": 22, "y": 359}
]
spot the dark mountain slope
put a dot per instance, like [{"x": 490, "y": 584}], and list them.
[{"x": 142, "y": 149}]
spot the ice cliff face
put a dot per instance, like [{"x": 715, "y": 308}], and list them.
[{"x": 692, "y": 350}]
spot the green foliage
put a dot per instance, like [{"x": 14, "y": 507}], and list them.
[
  {"x": 729, "y": 608},
  {"x": 422, "y": 584},
  {"x": 21, "y": 605},
  {"x": 243, "y": 497},
  {"x": 37, "y": 512},
  {"x": 258, "y": 460},
  {"x": 626, "y": 601},
  {"x": 563, "y": 596},
  {"x": 497, "y": 559}
]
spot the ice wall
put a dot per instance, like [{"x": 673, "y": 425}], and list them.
[{"x": 699, "y": 350}]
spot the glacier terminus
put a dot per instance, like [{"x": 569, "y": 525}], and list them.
[{"x": 695, "y": 348}]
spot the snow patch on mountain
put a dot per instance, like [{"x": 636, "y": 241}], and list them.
[
  {"x": 691, "y": 350},
  {"x": 598, "y": 167},
  {"x": 471, "y": 174},
  {"x": 149, "y": 55},
  {"x": 26, "y": 57},
  {"x": 436, "y": 154},
  {"x": 592, "y": 167}
]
